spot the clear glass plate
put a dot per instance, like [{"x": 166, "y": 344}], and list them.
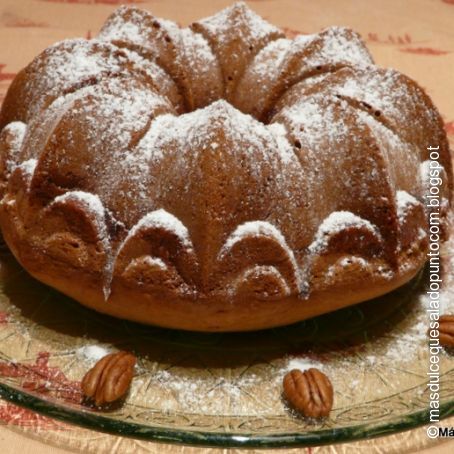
[{"x": 221, "y": 389}]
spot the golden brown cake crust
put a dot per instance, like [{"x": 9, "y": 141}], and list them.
[
  {"x": 219, "y": 177},
  {"x": 210, "y": 314}
]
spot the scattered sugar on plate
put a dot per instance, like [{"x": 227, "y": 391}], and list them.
[
  {"x": 92, "y": 353},
  {"x": 302, "y": 364}
]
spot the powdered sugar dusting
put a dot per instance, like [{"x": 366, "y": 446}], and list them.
[
  {"x": 155, "y": 261},
  {"x": 164, "y": 220},
  {"x": 261, "y": 228},
  {"x": 302, "y": 364},
  {"x": 92, "y": 353},
  {"x": 220, "y": 395},
  {"x": 131, "y": 108},
  {"x": 17, "y": 128},
  {"x": 257, "y": 272},
  {"x": 139, "y": 27},
  {"x": 16, "y": 133},
  {"x": 335, "y": 223},
  {"x": 66, "y": 65},
  {"x": 378, "y": 88},
  {"x": 346, "y": 263},
  {"x": 286, "y": 152},
  {"x": 95, "y": 207},
  {"x": 13, "y": 134},
  {"x": 342, "y": 43},
  {"x": 265, "y": 68},
  {"x": 256, "y": 228},
  {"x": 152, "y": 262},
  {"x": 235, "y": 16},
  {"x": 203, "y": 78},
  {"x": 132, "y": 30},
  {"x": 394, "y": 150},
  {"x": 314, "y": 123},
  {"x": 198, "y": 49},
  {"x": 199, "y": 130},
  {"x": 405, "y": 201},
  {"x": 29, "y": 166},
  {"x": 93, "y": 203},
  {"x": 112, "y": 115},
  {"x": 77, "y": 59}
]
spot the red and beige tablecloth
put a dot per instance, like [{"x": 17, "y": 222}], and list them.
[{"x": 414, "y": 36}]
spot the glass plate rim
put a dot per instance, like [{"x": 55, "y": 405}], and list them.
[{"x": 100, "y": 423}]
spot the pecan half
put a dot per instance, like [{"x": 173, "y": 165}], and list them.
[
  {"x": 446, "y": 330},
  {"x": 110, "y": 378},
  {"x": 310, "y": 392}
]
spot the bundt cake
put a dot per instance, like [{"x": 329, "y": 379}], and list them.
[{"x": 218, "y": 177}]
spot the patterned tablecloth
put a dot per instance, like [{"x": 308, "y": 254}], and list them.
[{"x": 413, "y": 36}]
